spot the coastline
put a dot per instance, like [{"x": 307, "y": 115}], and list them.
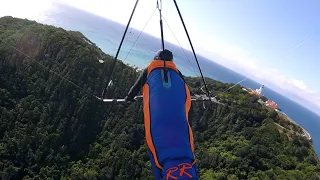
[{"x": 306, "y": 133}]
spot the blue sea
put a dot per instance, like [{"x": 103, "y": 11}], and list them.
[{"x": 107, "y": 34}]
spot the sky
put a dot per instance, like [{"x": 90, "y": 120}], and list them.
[{"x": 273, "y": 42}]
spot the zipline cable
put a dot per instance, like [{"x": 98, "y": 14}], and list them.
[
  {"x": 115, "y": 58},
  {"x": 185, "y": 28},
  {"x": 235, "y": 85}
]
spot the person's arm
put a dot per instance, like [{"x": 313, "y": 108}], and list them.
[{"x": 134, "y": 90}]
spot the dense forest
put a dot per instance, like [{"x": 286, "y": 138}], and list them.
[{"x": 52, "y": 127}]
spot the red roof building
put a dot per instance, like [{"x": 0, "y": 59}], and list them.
[{"x": 272, "y": 104}]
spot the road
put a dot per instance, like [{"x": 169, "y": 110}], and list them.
[{"x": 305, "y": 133}]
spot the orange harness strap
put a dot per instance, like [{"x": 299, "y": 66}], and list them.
[{"x": 159, "y": 64}]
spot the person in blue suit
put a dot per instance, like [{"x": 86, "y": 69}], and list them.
[{"x": 166, "y": 104}]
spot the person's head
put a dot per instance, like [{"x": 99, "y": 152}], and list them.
[{"x": 164, "y": 55}]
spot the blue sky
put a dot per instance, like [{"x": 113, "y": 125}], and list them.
[
  {"x": 274, "y": 42},
  {"x": 271, "y": 30}
]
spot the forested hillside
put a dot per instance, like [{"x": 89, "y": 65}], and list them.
[{"x": 51, "y": 128}]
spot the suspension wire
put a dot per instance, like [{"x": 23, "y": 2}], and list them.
[
  {"x": 115, "y": 58},
  {"x": 181, "y": 46},
  {"x": 185, "y": 28},
  {"x": 44, "y": 67},
  {"x": 139, "y": 37},
  {"x": 159, "y": 7},
  {"x": 187, "y": 48},
  {"x": 140, "y": 34}
]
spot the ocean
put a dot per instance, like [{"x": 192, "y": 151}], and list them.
[{"x": 107, "y": 34}]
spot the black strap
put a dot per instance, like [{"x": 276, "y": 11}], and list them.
[{"x": 115, "y": 58}]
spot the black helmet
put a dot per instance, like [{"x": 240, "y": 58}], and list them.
[{"x": 164, "y": 55}]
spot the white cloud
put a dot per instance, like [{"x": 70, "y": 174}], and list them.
[
  {"x": 298, "y": 83},
  {"x": 228, "y": 55},
  {"x": 24, "y": 9}
]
